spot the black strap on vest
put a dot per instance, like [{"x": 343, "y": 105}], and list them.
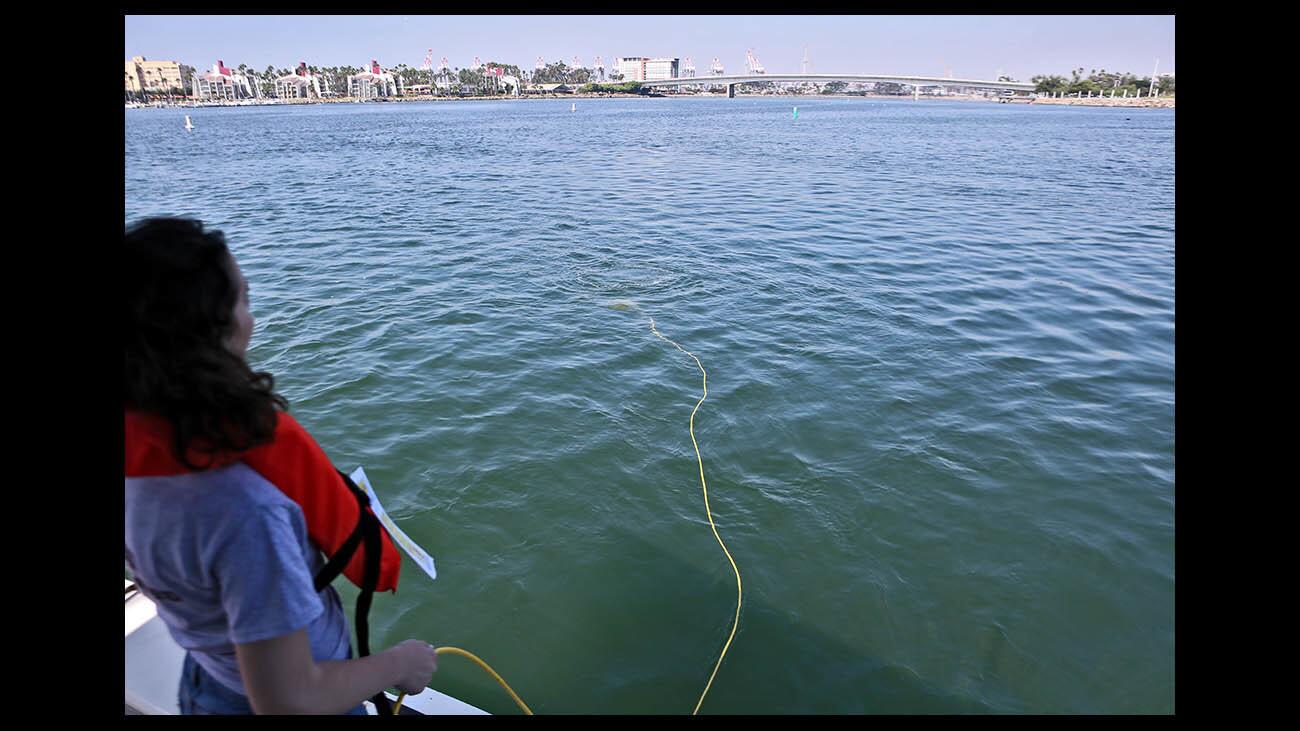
[
  {"x": 369, "y": 530},
  {"x": 340, "y": 560}
]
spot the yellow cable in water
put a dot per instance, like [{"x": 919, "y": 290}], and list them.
[
  {"x": 485, "y": 666},
  {"x": 705, "y": 486}
]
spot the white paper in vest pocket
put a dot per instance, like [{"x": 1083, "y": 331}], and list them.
[{"x": 417, "y": 554}]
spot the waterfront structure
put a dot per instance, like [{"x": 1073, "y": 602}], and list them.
[
  {"x": 549, "y": 89},
  {"x": 916, "y": 82},
  {"x": 632, "y": 67},
  {"x": 222, "y": 84},
  {"x": 134, "y": 84},
  {"x": 499, "y": 78},
  {"x": 443, "y": 80},
  {"x": 301, "y": 84},
  {"x": 153, "y": 76},
  {"x": 658, "y": 69},
  {"x": 373, "y": 83},
  {"x": 642, "y": 68}
]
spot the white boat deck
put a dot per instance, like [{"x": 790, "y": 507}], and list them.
[{"x": 153, "y": 670}]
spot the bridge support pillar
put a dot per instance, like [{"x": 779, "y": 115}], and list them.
[{"x": 731, "y": 91}]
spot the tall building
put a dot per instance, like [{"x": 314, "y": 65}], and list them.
[
  {"x": 373, "y": 83},
  {"x": 222, "y": 83},
  {"x": 301, "y": 84},
  {"x": 658, "y": 69},
  {"x": 133, "y": 83},
  {"x": 632, "y": 68},
  {"x": 640, "y": 68},
  {"x": 153, "y": 76}
]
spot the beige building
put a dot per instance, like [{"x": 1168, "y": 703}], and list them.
[
  {"x": 154, "y": 76},
  {"x": 640, "y": 68},
  {"x": 632, "y": 67},
  {"x": 659, "y": 69},
  {"x": 132, "y": 77}
]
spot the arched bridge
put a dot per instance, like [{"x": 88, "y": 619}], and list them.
[{"x": 914, "y": 81}]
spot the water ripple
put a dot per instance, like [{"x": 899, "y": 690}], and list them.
[{"x": 939, "y": 339}]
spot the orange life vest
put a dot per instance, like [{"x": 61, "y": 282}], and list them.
[
  {"x": 338, "y": 515},
  {"x": 295, "y": 464}
]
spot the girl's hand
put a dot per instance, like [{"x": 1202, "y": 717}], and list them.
[{"x": 417, "y": 662}]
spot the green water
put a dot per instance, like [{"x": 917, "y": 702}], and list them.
[{"x": 939, "y": 431}]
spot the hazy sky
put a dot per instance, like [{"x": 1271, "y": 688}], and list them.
[{"x": 973, "y": 46}]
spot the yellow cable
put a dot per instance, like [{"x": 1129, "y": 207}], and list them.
[
  {"x": 485, "y": 666},
  {"x": 705, "y": 486}
]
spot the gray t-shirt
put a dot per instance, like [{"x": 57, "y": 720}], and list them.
[{"x": 225, "y": 556}]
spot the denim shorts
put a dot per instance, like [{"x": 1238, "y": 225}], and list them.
[{"x": 202, "y": 695}]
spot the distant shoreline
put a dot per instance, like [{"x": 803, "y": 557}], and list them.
[
  {"x": 395, "y": 100},
  {"x": 1130, "y": 102}
]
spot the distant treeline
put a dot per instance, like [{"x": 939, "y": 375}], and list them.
[
  {"x": 1100, "y": 82},
  {"x": 630, "y": 87}
]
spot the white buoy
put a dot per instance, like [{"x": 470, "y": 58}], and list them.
[
  {"x": 573, "y": 107},
  {"x": 188, "y": 124}
]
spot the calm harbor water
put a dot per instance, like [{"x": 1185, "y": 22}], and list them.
[{"x": 939, "y": 435}]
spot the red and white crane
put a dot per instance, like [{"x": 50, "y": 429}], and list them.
[
  {"x": 751, "y": 62},
  {"x": 688, "y": 68},
  {"x": 716, "y": 69},
  {"x": 600, "y": 68}
]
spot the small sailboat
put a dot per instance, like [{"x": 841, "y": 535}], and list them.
[{"x": 188, "y": 124}]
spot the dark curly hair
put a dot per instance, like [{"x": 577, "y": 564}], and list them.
[{"x": 181, "y": 294}]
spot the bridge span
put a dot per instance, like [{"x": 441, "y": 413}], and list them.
[{"x": 916, "y": 82}]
